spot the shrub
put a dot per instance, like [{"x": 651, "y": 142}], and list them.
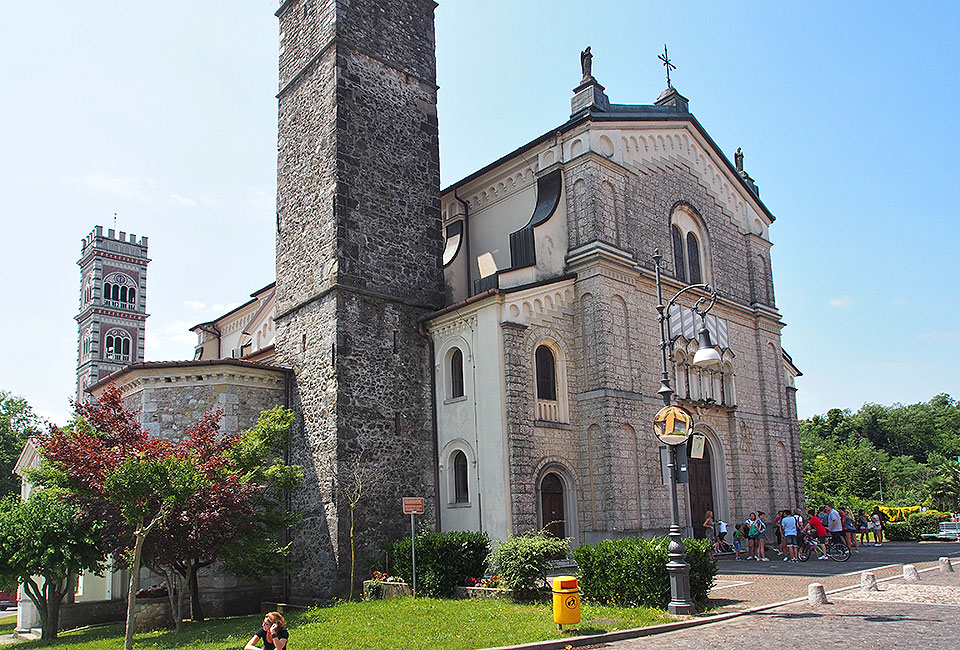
[
  {"x": 925, "y": 522},
  {"x": 444, "y": 560},
  {"x": 633, "y": 571},
  {"x": 898, "y": 532},
  {"x": 522, "y": 561}
]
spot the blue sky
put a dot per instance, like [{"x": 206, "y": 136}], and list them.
[{"x": 165, "y": 114}]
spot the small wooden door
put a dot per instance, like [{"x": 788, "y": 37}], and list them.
[
  {"x": 701, "y": 490},
  {"x": 551, "y": 504}
]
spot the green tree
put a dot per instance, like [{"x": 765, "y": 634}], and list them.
[
  {"x": 17, "y": 424},
  {"x": 45, "y": 544}
]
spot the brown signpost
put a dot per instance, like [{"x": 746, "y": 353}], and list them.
[{"x": 413, "y": 506}]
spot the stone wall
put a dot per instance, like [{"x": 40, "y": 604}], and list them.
[{"x": 358, "y": 263}]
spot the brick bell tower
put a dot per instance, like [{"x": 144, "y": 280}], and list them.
[
  {"x": 113, "y": 303},
  {"x": 358, "y": 263}
]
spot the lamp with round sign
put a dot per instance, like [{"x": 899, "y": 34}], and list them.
[{"x": 673, "y": 425}]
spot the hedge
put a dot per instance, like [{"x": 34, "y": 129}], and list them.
[
  {"x": 633, "y": 571},
  {"x": 444, "y": 560},
  {"x": 898, "y": 532},
  {"x": 925, "y": 522}
]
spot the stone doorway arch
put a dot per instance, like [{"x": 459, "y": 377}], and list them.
[{"x": 552, "y": 504}]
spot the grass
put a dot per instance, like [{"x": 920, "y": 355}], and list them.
[
  {"x": 382, "y": 624},
  {"x": 7, "y": 623}
]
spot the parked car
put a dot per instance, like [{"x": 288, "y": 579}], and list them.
[{"x": 8, "y": 599}]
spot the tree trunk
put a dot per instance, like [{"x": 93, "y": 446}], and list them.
[
  {"x": 353, "y": 554},
  {"x": 37, "y": 595},
  {"x": 134, "y": 586},
  {"x": 196, "y": 608},
  {"x": 51, "y": 621},
  {"x": 176, "y": 601}
]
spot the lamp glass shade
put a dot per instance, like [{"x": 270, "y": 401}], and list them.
[
  {"x": 706, "y": 358},
  {"x": 707, "y": 355}
]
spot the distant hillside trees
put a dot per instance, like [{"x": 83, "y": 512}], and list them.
[{"x": 913, "y": 450}]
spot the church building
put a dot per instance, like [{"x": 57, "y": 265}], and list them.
[{"x": 492, "y": 346}]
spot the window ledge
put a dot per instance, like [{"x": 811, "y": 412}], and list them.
[
  {"x": 550, "y": 424},
  {"x": 454, "y": 400},
  {"x": 460, "y": 505}
]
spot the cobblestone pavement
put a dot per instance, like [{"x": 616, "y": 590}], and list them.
[
  {"x": 899, "y": 615},
  {"x": 747, "y": 584}
]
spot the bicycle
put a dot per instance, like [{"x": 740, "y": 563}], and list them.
[{"x": 835, "y": 551}]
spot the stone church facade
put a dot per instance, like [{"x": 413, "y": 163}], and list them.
[
  {"x": 492, "y": 347},
  {"x": 558, "y": 272}
]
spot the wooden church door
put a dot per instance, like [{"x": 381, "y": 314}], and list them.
[
  {"x": 700, "y": 489},
  {"x": 551, "y": 504}
]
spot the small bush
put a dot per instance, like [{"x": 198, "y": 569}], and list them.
[
  {"x": 444, "y": 560},
  {"x": 633, "y": 571},
  {"x": 925, "y": 522},
  {"x": 898, "y": 532},
  {"x": 522, "y": 561}
]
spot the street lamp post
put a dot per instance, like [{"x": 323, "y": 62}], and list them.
[
  {"x": 677, "y": 566},
  {"x": 880, "y": 478}
]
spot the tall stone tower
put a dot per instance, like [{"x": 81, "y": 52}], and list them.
[
  {"x": 358, "y": 263},
  {"x": 113, "y": 302}
]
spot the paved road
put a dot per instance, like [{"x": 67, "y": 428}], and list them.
[
  {"x": 742, "y": 585},
  {"x": 923, "y": 615},
  {"x": 914, "y": 616}
]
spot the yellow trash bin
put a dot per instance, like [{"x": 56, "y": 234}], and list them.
[{"x": 566, "y": 600}]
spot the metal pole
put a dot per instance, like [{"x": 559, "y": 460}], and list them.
[
  {"x": 677, "y": 567},
  {"x": 665, "y": 391},
  {"x": 413, "y": 554},
  {"x": 880, "y": 478}
]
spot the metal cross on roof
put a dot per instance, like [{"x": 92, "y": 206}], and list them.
[{"x": 666, "y": 63}]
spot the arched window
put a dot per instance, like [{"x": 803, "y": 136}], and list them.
[
  {"x": 456, "y": 375},
  {"x": 461, "y": 486},
  {"x": 117, "y": 345},
  {"x": 679, "y": 259},
  {"x": 132, "y": 297},
  {"x": 546, "y": 374},
  {"x": 691, "y": 254},
  {"x": 693, "y": 258}
]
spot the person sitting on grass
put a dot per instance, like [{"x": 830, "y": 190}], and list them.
[{"x": 273, "y": 632}]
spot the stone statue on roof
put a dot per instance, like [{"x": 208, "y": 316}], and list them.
[
  {"x": 586, "y": 63},
  {"x": 738, "y": 160}
]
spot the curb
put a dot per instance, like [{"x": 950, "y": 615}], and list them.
[{"x": 638, "y": 632}]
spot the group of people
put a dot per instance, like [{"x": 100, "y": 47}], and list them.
[{"x": 791, "y": 529}]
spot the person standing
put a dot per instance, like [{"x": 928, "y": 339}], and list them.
[
  {"x": 849, "y": 530},
  {"x": 737, "y": 540},
  {"x": 762, "y": 536},
  {"x": 708, "y": 531},
  {"x": 834, "y": 525},
  {"x": 752, "y": 534},
  {"x": 791, "y": 527},
  {"x": 877, "y": 522}
]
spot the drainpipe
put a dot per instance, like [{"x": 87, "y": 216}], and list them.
[
  {"x": 466, "y": 241},
  {"x": 433, "y": 412}
]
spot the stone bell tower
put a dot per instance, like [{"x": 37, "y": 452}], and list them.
[
  {"x": 113, "y": 301},
  {"x": 358, "y": 263}
]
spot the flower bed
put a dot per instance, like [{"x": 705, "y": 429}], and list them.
[{"x": 385, "y": 586}]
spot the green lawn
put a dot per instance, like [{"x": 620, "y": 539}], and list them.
[
  {"x": 383, "y": 624},
  {"x": 7, "y": 623}
]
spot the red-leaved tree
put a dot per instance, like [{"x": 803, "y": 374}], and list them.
[{"x": 180, "y": 504}]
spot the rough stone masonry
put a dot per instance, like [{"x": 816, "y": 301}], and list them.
[{"x": 358, "y": 263}]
